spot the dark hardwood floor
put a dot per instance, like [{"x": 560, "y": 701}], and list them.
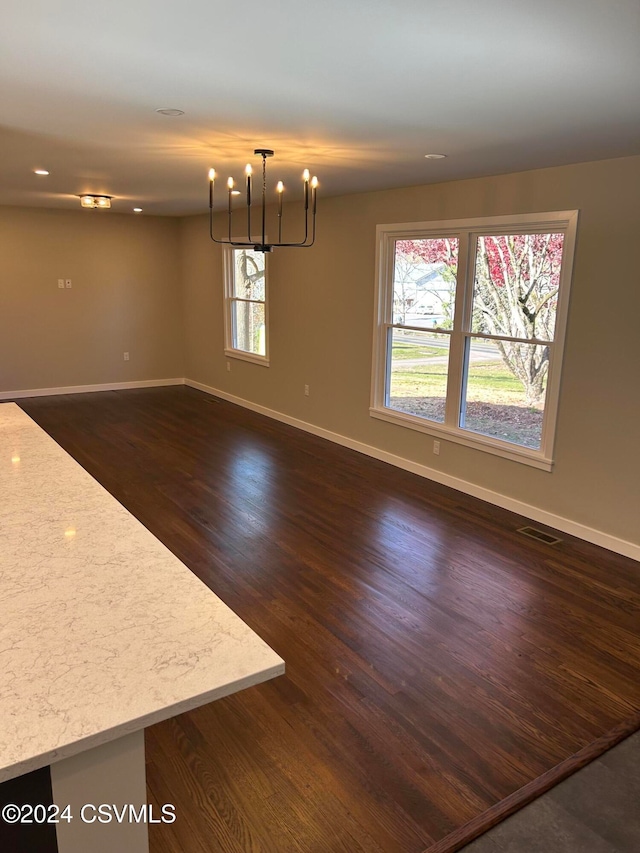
[{"x": 438, "y": 662}]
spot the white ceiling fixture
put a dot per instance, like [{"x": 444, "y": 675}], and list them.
[
  {"x": 435, "y": 156},
  {"x": 171, "y": 112},
  {"x": 137, "y": 210},
  {"x": 40, "y": 172},
  {"x": 96, "y": 202},
  {"x": 498, "y": 86}
]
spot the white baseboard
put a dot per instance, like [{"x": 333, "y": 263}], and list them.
[
  {"x": 558, "y": 522},
  {"x": 83, "y": 389},
  {"x": 567, "y": 525}
]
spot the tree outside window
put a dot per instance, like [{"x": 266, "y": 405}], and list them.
[
  {"x": 246, "y": 304},
  {"x": 471, "y": 321}
]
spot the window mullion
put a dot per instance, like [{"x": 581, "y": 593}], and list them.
[
  {"x": 250, "y": 301},
  {"x": 456, "y": 350},
  {"x": 538, "y": 341}
]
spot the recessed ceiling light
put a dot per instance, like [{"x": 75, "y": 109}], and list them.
[
  {"x": 137, "y": 210},
  {"x": 435, "y": 156},
  {"x": 171, "y": 112},
  {"x": 41, "y": 172}
]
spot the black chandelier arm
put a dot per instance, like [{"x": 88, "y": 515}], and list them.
[
  {"x": 251, "y": 244},
  {"x": 303, "y": 244},
  {"x": 227, "y": 242},
  {"x": 224, "y": 241},
  {"x": 293, "y": 245}
]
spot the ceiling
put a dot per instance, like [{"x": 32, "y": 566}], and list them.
[{"x": 357, "y": 91}]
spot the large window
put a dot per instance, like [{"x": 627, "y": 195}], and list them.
[
  {"x": 246, "y": 311},
  {"x": 470, "y": 327}
]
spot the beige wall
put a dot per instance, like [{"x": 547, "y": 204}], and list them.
[
  {"x": 125, "y": 297},
  {"x": 321, "y": 334},
  {"x": 153, "y": 286}
]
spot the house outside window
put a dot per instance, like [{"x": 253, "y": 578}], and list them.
[
  {"x": 469, "y": 330},
  {"x": 246, "y": 307}
]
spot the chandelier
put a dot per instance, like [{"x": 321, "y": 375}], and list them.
[{"x": 309, "y": 187}]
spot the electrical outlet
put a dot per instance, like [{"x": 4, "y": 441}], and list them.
[
  {"x": 436, "y": 448},
  {"x": 306, "y": 390},
  {"x": 228, "y": 367},
  {"x": 68, "y": 283},
  {"x": 61, "y": 283},
  {"x": 126, "y": 356}
]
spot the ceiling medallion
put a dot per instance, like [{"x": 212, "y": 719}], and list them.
[{"x": 309, "y": 188}]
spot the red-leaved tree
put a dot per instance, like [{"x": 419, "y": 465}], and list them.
[{"x": 516, "y": 296}]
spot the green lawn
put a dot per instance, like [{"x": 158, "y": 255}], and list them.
[
  {"x": 489, "y": 380},
  {"x": 495, "y": 399},
  {"x": 407, "y": 351}
]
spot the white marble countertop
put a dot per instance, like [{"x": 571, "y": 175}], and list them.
[{"x": 102, "y": 630}]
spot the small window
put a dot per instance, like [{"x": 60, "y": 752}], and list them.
[
  {"x": 470, "y": 329},
  {"x": 246, "y": 311}
]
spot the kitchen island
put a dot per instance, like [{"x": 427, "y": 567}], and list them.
[{"x": 103, "y": 631}]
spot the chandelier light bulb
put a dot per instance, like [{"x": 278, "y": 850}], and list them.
[
  {"x": 314, "y": 183},
  {"x": 230, "y": 183},
  {"x": 305, "y": 176},
  {"x": 212, "y": 174},
  {"x": 280, "y": 187},
  {"x": 248, "y": 170}
]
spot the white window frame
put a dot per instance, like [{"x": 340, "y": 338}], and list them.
[
  {"x": 229, "y": 271},
  {"x": 467, "y": 230}
]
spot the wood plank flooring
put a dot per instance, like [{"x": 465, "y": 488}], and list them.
[{"x": 438, "y": 662}]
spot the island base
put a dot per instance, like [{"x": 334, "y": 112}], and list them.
[{"x": 111, "y": 776}]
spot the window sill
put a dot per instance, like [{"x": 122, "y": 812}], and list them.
[
  {"x": 262, "y": 360},
  {"x": 534, "y": 458}
]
